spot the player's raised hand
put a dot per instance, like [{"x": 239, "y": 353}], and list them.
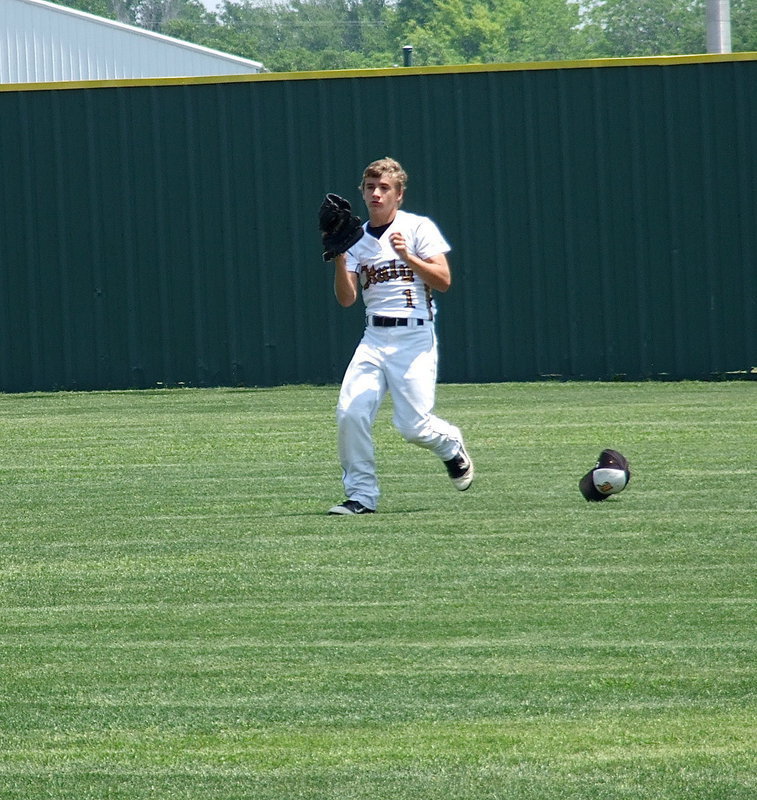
[{"x": 399, "y": 244}]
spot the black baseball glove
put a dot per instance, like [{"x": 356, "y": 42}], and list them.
[{"x": 340, "y": 228}]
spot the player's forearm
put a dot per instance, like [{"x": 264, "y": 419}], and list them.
[
  {"x": 345, "y": 283},
  {"x": 434, "y": 273}
]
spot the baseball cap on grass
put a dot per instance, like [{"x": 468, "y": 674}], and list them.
[{"x": 609, "y": 476}]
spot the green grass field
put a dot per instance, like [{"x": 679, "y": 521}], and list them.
[{"x": 180, "y": 619}]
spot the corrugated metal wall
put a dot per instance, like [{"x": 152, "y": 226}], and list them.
[
  {"x": 41, "y": 41},
  {"x": 603, "y": 220}
]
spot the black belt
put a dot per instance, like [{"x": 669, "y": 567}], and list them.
[{"x": 393, "y": 322}]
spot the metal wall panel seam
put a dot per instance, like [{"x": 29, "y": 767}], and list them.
[
  {"x": 747, "y": 199},
  {"x": 264, "y": 305},
  {"x": 199, "y": 332},
  {"x": 642, "y": 292},
  {"x": 569, "y": 224},
  {"x": 536, "y": 278},
  {"x": 500, "y": 243},
  {"x": 466, "y": 224},
  {"x": 358, "y": 132},
  {"x": 31, "y": 248},
  {"x": 62, "y": 250},
  {"x": 134, "y": 298},
  {"x": 165, "y": 344},
  {"x": 302, "y": 340},
  {"x": 326, "y": 166},
  {"x": 7, "y": 160},
  {"x": 606, "y": 309},
  {"x": 393, "y": 123},
  {"x": 231, "y": 282},
  {"x": 711, "y": 220},
  {"x": 677, "y": 273},
  {"x": 100, "y": 291}
]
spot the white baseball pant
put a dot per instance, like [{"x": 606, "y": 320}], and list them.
[{"x": 403, "y": 361}]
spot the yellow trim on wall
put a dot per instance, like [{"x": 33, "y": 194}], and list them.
[{"x": 523, "y": 66}]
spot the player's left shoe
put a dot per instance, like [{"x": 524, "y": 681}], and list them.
[
  {"x": 351, "y": 507},
  {"x": 460, "y": 469}
]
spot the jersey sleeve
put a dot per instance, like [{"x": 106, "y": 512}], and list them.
[
  {"x": 352, "y": 263},
  {"x": 429, "y": 240}
]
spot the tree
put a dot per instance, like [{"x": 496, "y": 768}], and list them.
[
  {"x": 618, "y": 28},
  {"x": 744, "y": 26},
  {"x": 154, "y": 15},
  {"x": 100, "y": 8},
  {"x": 308, "y": 34},
  {"x": 149, "y": 14},
  {"x": 486, "y": 31}
]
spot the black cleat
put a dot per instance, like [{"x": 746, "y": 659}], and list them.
[
  {"x": 351, "y": 507},
  {"x": 460, "y": 469}
]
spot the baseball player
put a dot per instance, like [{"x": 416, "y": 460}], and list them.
[{"x": 397, "y": 263}]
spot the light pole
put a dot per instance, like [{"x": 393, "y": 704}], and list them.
[{"x": 718, "y": 26}]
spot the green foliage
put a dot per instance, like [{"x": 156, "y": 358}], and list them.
[
  {"x": 744, "y": 25},
  {"x": 101, "y": 8},
  {"x": 329, "y": 34},
  {"x": 617, "y": 28},
  {"x": 490, "y": 31},
  {"x": 648, "y": 27},
  {"x": 182, "y": 621},
  {"x": 149, "y": 14}
]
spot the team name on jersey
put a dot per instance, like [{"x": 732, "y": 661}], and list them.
[{"x": 391, "y": 272}]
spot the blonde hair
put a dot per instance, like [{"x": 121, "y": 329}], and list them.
[{"x": 385, "y": 166}]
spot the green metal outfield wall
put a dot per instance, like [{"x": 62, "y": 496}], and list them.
[{"x": 603, "y": 217}]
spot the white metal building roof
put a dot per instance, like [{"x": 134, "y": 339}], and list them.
[{"x": 44, "y": 42}]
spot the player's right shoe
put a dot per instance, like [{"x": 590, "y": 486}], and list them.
[
  {"x": 351, "y": 507},
  {"x": 460, "y": 469}
]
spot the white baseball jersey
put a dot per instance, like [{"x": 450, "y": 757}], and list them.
[{"x": 390, "y": 288}]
